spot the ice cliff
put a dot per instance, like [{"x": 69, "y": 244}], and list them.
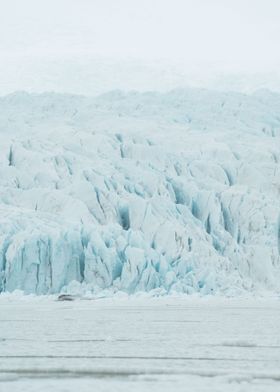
[{"x": 138, "y": 191}]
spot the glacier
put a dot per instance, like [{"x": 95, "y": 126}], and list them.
[{"x": 140, "y": 191}]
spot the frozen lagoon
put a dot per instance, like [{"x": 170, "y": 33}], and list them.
[{"x": 139, "y": 344}]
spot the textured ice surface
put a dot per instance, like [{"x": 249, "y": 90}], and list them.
[
  {"x": 140, "y": 191},
  {"x": 140, "y": 344}
]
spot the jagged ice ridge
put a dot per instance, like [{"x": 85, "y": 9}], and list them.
[{"x": 175, "y": 191}]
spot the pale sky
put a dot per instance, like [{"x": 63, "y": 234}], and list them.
[{"x": 225, "y": 35}]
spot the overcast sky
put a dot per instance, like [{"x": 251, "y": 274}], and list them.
[
  {"x": 223, "y": 35},
  {"x": 228, "y": 33}
]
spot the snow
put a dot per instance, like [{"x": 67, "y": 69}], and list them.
[
  {"x": 163, "y": 192},
  {"x": 129, "y": 343}
]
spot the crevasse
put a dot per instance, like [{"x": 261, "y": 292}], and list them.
[{"x": 123, "y": 191}]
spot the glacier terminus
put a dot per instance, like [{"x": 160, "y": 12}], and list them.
[{"x": 129, "y": 191}]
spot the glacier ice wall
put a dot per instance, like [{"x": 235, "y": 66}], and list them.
[{"x": 130, "y": 191}]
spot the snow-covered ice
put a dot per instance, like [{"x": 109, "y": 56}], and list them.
[
  {"x": 174, "y": 192},
  {"x": 173, "y": 343}
]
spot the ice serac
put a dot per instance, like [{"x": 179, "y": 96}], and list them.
[{"x": 134, "y": 192}]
